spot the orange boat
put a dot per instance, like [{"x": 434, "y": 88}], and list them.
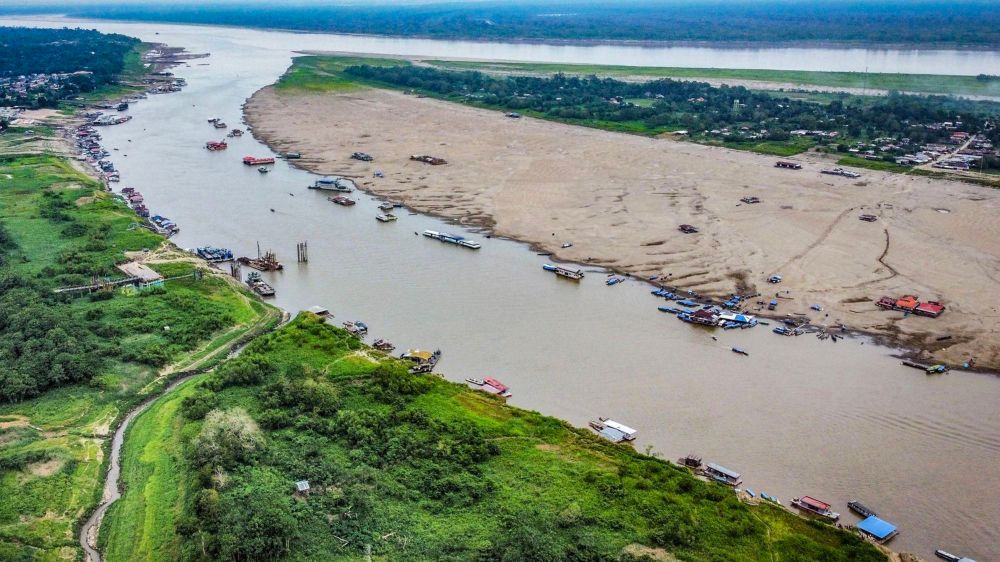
[{"x": 254, "y": 161}]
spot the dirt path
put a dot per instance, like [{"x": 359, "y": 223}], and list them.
[{"x": 112, "y": 484}]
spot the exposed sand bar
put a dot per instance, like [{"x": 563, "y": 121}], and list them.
[{"x": 620, "y": 198}]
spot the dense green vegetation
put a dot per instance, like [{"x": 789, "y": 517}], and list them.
[
  {"x": 730, "y": 115},
  {"x": 410, "y": 467},
  {"x": 968, "y": 22},
  {"x": 85, "y": 359},
  {"x": 88, "y": 60},
  {"x": 922, "y": 83}
]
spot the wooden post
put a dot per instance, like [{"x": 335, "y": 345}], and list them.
[{"x": 302, "y": 249}]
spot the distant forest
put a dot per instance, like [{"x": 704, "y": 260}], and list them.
[
  {"x": 33, "y": 51},
  {"x": 662, "y": 105},
  {"x": 923, "y": 22}
]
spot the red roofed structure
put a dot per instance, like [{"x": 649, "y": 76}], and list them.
[
  {"x": 907, "y": 302},
  {"x": 932, "y": 309}
]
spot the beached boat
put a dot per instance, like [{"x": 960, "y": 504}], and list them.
[
  {"x": 342, "y": 201},
  {"x": 356, "y": 328},
  {"x": 815, "y": 507},
  {"x": 740, "y": 351},
  {"x": 574, "y": 274},
  {"x": 383, "y": 345},
  {"x": 452, "y": 239},
  {"x": 333, "y": 183},
  {"x": 386, "y": 217}
]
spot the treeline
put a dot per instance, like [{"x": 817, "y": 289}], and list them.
[
  {"x": 96, "y": 58},
  {"x": 665, "y": 104},
  {"x": 895, "y": 21}
]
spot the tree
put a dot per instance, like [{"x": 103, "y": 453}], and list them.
[
  {"x": 227, "y": 438},
  {"x": 256, "y": 521}
]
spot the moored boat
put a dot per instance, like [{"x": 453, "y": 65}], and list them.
[
  {"x": 452, "y": 239},
  {"x": 425, "y": 360},
  {"x": 860, "y": 508},
  {"x": 214, "y": 255},
  {"x": 258, "y": 285},
  {"x": 613, "y": 431},
  {"x": 815, "y": 507},
  {"x": 574, "y": 274},
  {"x": 342, "y": 201},
  {"x": 383, "y": 345},
  {"x": 356, "y": 328},
  {"x": 333, "y": 183},
  {"x": 255, "y": 161},
  {"x": 722, "y": 474},
  {"x": 385, "y": 217}
]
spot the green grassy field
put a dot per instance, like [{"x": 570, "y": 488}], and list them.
[
  {"x": 923, "y": 83},
  {"x": 416, "y": 468},
  {"x": 318, "y": 74},
  {"x": 52, "y": 448}
]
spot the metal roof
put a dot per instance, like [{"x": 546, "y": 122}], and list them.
[
  {"x": 877, "y": 527},
  {"x": 620, "y": 427},
  {"x": 723, "y": 470}
]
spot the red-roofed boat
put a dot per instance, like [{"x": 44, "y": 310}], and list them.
[
  {"x": 815, "y": 507},
  {"x": 254, "y": 161}
]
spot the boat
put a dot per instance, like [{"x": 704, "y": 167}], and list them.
[
  {"x": 263, "y": 169},
  {"x": 386, "y": 217},
  {"x": 383, "y": 345},
  {"x": 291, "y": 155},
  {"x": 815, "y": 507},
  {"x": 740, "y": 351},
  {"x": 356, "y": 328},
  {"x": 574, "y": 274},
  {"x": 258, "y": 285},
  {"x": 214, "y": 146},
  {"x": 860, "y": 508},
  {"x": 494, "y": 386},
  {"x": 477, "y": 382},
  {"x": 236, "y": 133},
  {"x": 364, "y": 157},
  {"x": 951, "y": 557},
  {"x": 214, "y": 255},
  {"x": 255, "y": 161},
  {"x": 613, "y": 431},
  {"x": 266, "y": 262},
  {"x": 320, "y": 311},
  {"x": 425, "y": 360},
  {"x": 342, "y": 201},
  {"x": 333, "y": 183},
  {"x": 670, "y": 309},
  {"x": 386, "y": 206},
  {"x": 219, "y": 125},
  {"x": 613, "y": 280},
  {"x": 452, "y": 239},
  {"x": 722, "y": 474},
  {"x": 876, "y": 529}
]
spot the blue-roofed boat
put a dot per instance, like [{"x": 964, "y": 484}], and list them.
[
  {"x": 782, "y": 331},
  {"x": 214, "y": 255},
  {"x": 613, "y": 280},
  {"x": 731, "y": 325},
  {"x": 879, "y": 530},
  {"x": 740, "y": 351},
  {"x": 670, "y": 309},
  {"x": 574, "y": 274},
  {"x": 751, "y": 492},
  {"x": 687, "y": 302}
]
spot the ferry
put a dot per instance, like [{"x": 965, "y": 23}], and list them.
[
  {"x": 333, "y": 183},
  {"x": 722, "y": 474},
  {"x": 341, "y": 200},
  {"x": 574, "y": 274},
  {"x": 386, "y": 217},
  {"x": 452, "y": 239},
  {"x": 815, "y": 507},
  {"x": 255, "y": 161}
]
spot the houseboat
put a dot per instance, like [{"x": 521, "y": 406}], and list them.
[
  {"x": 691, "y": 461},
  {"x": 255, "y": 161},
  {"x": 333, "y": 183},
  {"x": 815, "y": 507},
  {"x": 342, "y": 201},
  {"x": 493, "y": 386},
  {"x": 214, "y": 146},
  {"x": 425, "y": 360},
  {"x": 574, "y": 274},
  {"x": 452, "y": 239},
  {"x": 613, "y": 431},
  {"x": 386, "y": 217},
  {"x": 877, "y": 529},
  {"x": 383, "y": 345},
  {"x": 723, "y": 474}
]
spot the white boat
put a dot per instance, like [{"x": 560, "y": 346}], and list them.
[
  {"x": 452, "y": 239},
  {"x": 386, "y": 217}
]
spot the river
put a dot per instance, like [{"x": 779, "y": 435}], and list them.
[{"x": 799, "y": 416}]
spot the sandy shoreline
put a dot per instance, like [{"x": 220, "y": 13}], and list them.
[{"x": 619, "y": 199}]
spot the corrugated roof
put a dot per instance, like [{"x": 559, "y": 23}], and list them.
[
  {"x": 723, "y": 470},
  {"x": 877, "y": 527},
  {"x": 815, "y": 503}
]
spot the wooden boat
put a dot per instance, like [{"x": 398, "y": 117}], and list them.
[{"x": 860, "y": 508}]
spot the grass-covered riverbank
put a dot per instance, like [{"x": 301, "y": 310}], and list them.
[
  {"x": 73, "y": 365},
  {"x": 410, "y": 467}
]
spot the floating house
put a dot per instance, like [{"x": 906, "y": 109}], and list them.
[
  {"x": 879, "y": 530},
  {"x": 723, "y": 474},
  {"x": 816, "y": 507}
]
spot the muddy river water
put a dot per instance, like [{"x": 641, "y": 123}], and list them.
[{"x": 798, "y": 416}]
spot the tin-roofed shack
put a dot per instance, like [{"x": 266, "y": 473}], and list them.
[{"x": 135, "y": 269}]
